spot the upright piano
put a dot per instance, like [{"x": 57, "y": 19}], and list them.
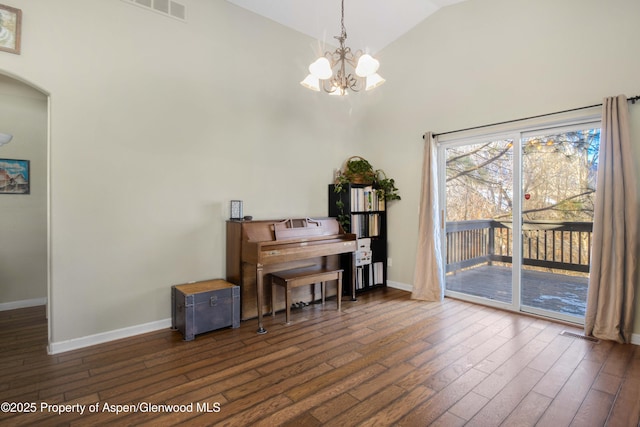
[{"x": 257, "y": 248}]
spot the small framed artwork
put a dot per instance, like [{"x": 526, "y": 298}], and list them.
[
  {"x": 235, "y": 209},
  {"x": 14, "y": 176},
  {"x": 10, "y": 27}
]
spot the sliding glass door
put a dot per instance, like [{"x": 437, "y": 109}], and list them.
[
  {"x": 558, "y": 185},
  {"x": 479, "y": 211},
  {"x": 545, "y": 180}
]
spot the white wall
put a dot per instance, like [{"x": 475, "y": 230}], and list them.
[
  {"x": 486, "y": 61},
  {"x": 155, "y": 125},
  {"x": 23, "y": 217}
]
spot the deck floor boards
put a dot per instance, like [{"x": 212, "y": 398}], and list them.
[{"x": 560, "y": 293}]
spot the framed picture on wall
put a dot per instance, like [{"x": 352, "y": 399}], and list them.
[
  {"x": 10, "y": 26},
  {"x": 14, "y": 176}
]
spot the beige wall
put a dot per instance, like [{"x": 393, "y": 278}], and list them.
[
  {"x": 486, "y": 61},
  {"x": 23, "y": 217}
]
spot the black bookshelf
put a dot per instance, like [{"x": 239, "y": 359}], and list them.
[{"x": 363, "y": 214}]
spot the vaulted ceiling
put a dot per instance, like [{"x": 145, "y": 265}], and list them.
[{"x": 371, "y": 24}]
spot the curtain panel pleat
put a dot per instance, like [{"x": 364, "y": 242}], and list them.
[
  {"x": 427, "y": 284},
  {"x": 614, "y": 264}
]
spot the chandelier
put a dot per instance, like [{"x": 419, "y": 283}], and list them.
[{"x": 339, "y": 71}]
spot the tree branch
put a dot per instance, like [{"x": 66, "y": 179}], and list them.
[{"x": 481, "y": 165}]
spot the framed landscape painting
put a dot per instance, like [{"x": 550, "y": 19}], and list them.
[
  {"x": 14, "y": 176},
  {"x": 10, "y": 23}
]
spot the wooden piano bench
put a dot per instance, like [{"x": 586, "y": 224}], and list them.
[{"x": 301, "y": 277}]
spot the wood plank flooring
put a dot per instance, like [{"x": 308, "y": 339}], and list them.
[{"x": 384, "y": 360}]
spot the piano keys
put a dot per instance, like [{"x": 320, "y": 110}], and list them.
[{"x": 257, "y": 248}]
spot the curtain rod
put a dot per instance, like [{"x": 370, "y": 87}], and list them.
[{"x": 632, "y": 100}]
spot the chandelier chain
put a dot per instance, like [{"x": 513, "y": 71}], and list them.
[{"x": 344, "y": 30}]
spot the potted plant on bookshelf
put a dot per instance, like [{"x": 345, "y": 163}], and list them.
[
  {"x": 358, "y": 170},
  {"x": 386, "y": 187}
]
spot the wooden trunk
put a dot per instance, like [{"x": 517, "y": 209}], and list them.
[{"x": 204, "y": 306}]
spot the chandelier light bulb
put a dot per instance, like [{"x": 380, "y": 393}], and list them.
[
  {"x": 367, "y": 65},
  {"x": 339, "y": 91},
  {"x": 373, "y": 81},
  {"x": 311, "y": 82},
  {"x": 321, "y": 68},
  {"x": 5, "y": 138}
]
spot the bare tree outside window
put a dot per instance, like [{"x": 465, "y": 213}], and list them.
[
  {"x": 559, "y": 183},
  {"x": 558, "y": 180}
]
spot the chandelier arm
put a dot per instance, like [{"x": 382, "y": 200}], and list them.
[{"x": 331, "y": 88}]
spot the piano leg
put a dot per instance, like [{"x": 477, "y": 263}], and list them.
[{"x": 260, "y": 297}]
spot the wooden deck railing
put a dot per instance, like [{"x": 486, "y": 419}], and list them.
[{"x": 550, "y": 244}]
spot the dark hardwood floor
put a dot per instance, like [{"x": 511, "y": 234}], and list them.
[{"x": 385, "y": 360}]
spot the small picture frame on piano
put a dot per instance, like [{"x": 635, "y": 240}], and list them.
[{"x": 235, "y": 209}]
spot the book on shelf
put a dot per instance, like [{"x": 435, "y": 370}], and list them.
[
  {"x": 378, "y": 272},
  {"x": 365, "y": 199},
  {"x": 369, "y": 275},
  {"x": 364, "y": 278},
  {"x": 359, "y": 278},
  {"x": 365, "y": 225}
]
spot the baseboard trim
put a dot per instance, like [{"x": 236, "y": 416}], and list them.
[
  {"x": 23, "y": 304},
  {"x": 401, "y": 286},
  {"x": 76, "y": 343}
]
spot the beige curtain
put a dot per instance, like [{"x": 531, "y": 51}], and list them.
[
  {"x": 426, "y": 282},
  {"x": 614, "y": 263}
]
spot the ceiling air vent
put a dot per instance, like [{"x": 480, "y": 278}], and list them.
[
  {"x": 168, "y": 8},
  {"x": 178, "y": 11},
  {"x": 161, "y": 6}
]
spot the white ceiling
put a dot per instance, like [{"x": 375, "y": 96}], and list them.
[{"x": 371, "y": 24}]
